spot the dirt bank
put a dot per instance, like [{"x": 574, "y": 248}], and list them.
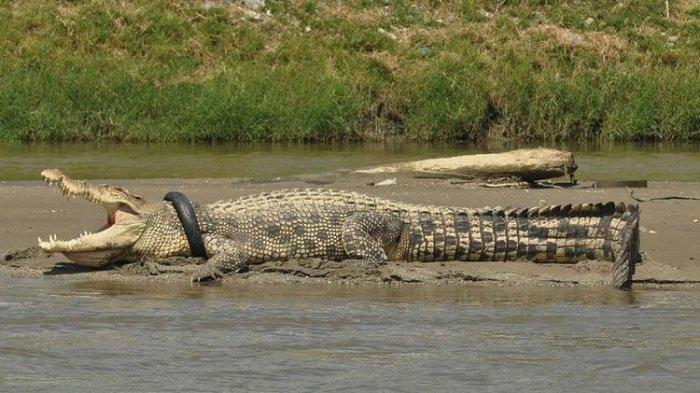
[{"x": 669, "y": 232}]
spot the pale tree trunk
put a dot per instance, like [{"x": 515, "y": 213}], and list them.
[{"x": 524, "y": 164}]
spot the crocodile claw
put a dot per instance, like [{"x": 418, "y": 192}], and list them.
[{"x": 206, "y": 273}]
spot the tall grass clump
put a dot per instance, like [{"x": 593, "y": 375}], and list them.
[
  {"x": 660, "y": 107},
  {"x": 447, "y": 99}
]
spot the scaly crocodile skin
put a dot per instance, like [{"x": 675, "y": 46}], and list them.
[{"x": 346, "y": 225}]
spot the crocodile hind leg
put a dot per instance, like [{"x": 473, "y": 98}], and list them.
[{"x": 368, "y": 235}]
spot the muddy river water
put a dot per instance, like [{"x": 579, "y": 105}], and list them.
[
  {"x": 62, "y": 336},
  {"x": 260, "y": 160}
]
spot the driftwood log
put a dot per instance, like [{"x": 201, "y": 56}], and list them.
[{"x": 524, "y": 164}]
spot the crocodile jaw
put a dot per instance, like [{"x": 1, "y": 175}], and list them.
[
  {"x": 97, "y": 249},
  {"x": 114, "y": 240}
]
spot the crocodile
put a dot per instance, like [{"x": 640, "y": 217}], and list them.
[{"x": 347, "y": 226}]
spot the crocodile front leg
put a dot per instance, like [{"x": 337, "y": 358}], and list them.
[{"x": 226, "y": 256}]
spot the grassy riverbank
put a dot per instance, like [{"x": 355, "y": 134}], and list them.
[{"x": 357, "y": 69}]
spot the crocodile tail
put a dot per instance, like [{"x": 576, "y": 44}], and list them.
[
  {"x": 606, "y": 231},
  {"x": 628, "y": 255}
]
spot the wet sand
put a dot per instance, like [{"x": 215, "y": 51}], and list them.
[{"x": 669, "y": 232}]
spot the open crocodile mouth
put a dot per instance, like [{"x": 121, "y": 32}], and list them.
[{"x": 122, "y": 229}]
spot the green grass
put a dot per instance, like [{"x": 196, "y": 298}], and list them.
[{"x": 532, "y": 70}]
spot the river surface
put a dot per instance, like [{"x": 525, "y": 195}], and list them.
[
  {"x": 263, "y": 160},
  {"x": 63, "y": 336}
]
